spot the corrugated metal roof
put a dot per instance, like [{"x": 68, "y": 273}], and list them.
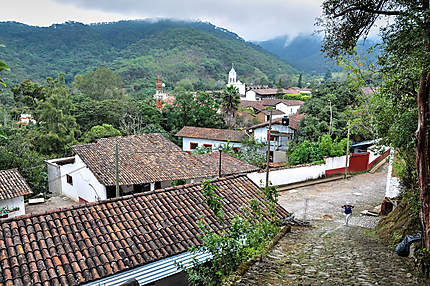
[{"x": 153, "y": 271}]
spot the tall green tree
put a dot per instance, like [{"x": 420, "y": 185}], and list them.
[
  {"x": 230, "y": 104},
  {"x": 329, "y": 101},
  {"x": 405, "y": 63},
  {"x": 56, "y": 126},
  {"x": 101, "y": 84},
  {"x": 300, "y": 81}
]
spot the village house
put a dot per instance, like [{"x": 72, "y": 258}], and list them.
[
  {"x": 283, "y": 131},
  {"x": 258, "y": 111},
  {"x": 109, "y": 242},
  {"x": 198, "y": 137},
  {"x": 145, "y": 162},
  {"x": 13, "y": 188}
]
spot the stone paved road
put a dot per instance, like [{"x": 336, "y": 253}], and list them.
[{"x": 329, "y": 253}]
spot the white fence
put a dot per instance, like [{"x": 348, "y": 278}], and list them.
[{"x": 289, "y": 175}]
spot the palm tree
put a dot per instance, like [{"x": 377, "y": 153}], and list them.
[{"x": 230, "y": 104}]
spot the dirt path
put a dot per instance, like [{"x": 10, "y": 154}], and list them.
[{"x": 329, "y": 253}]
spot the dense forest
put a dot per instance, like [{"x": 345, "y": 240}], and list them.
[
  {"x": 303, "y": 52},
  {"x": 138, "y": 51}
]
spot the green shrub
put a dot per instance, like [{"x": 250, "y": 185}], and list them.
[
  {"x": 301, "y": 96},
  {"x": 308, "y": 152},
  {"x": 245, "y": 239}
]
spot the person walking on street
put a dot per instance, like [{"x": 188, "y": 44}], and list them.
[{"x": 348, "y": 211}]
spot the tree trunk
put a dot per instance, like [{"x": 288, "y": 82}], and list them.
[
  {"x": 423, "y": 153},
  {"x": 423, "y": 134}
]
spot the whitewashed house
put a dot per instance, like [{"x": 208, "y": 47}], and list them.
[
  {"x": 145, "y": 162},
  {"x": 283, "y": 131},
  {"x": 259, "y": 110},
  {"x": 198, "y": 137},
  {"x": 13, "y": 188},
  {"x": 287, "y": 106}
]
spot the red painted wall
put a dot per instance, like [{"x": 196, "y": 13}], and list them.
[{"x": 358, "y": 162}]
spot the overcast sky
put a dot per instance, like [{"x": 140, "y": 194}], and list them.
[{"x": 250, "y": 19}]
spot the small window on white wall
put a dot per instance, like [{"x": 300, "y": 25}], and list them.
[{"x": 69, "y": 179}]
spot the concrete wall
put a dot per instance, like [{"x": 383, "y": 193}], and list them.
[
  {"x": 288, "y": 175},
  {"x": 54, "y": 182},
  {"x": 215, "y": 143},
  {"x": 288, "y": 110},
  {"x": 85, "y": 185},
  {"x": 332, "y": 166},
  {"x": 250, "y": 95},
  {"x": 12, "y": 203}
]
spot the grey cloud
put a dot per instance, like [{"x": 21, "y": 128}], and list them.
[{"x": 251, "y": 19}]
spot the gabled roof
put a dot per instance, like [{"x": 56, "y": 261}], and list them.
[
  {"x": 144, "y": 158},
  {"x": 274, "y": 102},
  {"x": 212, "y": 133},
  {"x": 270, "y": 91},
  {"x": 261, "y": 105},
  {"x": 12, "y": 185},
  {"x": 294, "y": 121},
  {"x": 84, "y": 243},
  {"x": 229, "y": 164}
]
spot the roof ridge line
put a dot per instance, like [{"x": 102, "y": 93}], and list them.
[{"x": 168, "y": 189}]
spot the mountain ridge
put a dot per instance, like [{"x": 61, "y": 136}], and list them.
[{"x": 137, "y": 50}]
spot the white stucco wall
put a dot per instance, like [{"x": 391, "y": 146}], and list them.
[
  {"x": 85, "y": 185},
  {"x": 374, "y": 154},
  {"x": 288, "y": 110},
  {"x": 250, "y": 95},
  {"x": 335, "y": 162},
  {"x": 215, "y": 143},
  {"x": 288, "y": 176},
  {"x": 12, "y": 203}
]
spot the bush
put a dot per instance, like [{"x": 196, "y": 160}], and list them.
[
  {"x": 301, "y": 96},
  {"x": 308, "y": 152},
  {"x": 244, "y": 239}
]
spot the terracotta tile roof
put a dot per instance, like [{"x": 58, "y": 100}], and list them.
[
  {"x": 143, "y": 159},
  {"x": 293, "y": 124},
  {"x": 229, "y": 164},
  {"x": 270, "y": 91},
  {"x": 289, "y": 102},
  {"x": 295, "y": 120},
  {"x": 274, "y": 112},
  {"x": 212, "y": 133},
  {"x": 12, "y": 185},
  {"x": 84, "y": 243},
  {"x": 257, "y": 105}
]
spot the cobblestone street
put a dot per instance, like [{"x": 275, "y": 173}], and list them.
[{"x": 329, "y": 253}]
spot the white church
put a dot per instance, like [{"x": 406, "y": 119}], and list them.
[{"x": 232, "y": 81}]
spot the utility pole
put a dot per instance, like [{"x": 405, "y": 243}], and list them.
[
  {"x": 268, "y": 150},
  {"x": 347, "y": 154},
  {"x": 116, "y": 170},
  {"x": 331, "y": 118},
  {"x": 220, "y": 152}
]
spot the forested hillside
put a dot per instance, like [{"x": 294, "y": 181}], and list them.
[
  {"x": 138, "y": 51},
  {"x": 304, "y": 53}
]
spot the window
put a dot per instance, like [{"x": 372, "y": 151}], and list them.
[
  {"x": 208, "y": 146},
  {"x": 273, "y": 137},
  {"x": 194, "y": 146},
  {"x": 69, "y": 179}
]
